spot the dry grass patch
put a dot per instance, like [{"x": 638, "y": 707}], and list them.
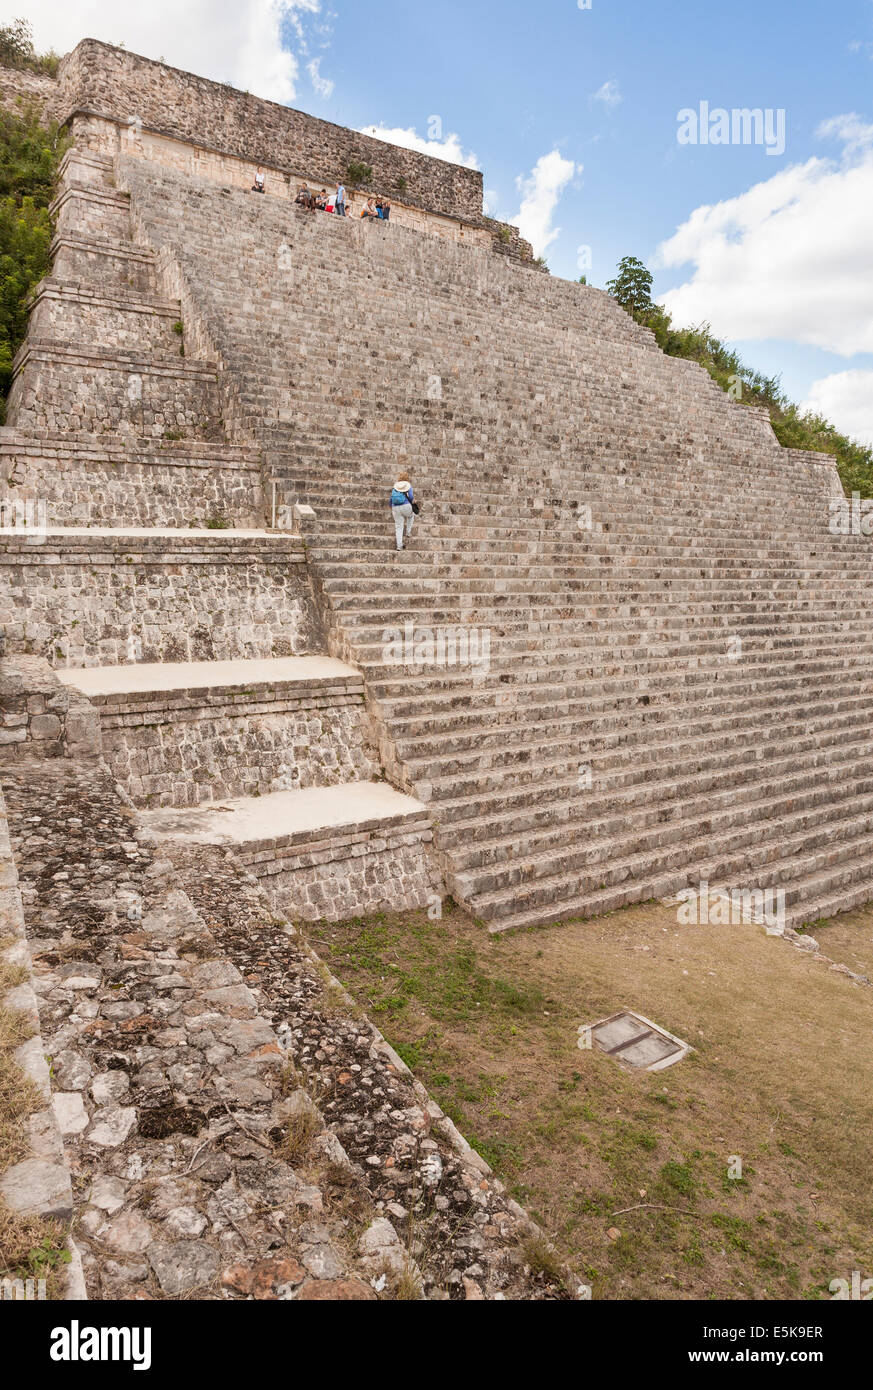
[
  {"x": 32, "y": 1247},
  {"x": 848, "y": 939},
  {"x": 19, "y": 1097},
  {"x": 781, "y": 1078},
  {"x": 298, "y": 1133}
]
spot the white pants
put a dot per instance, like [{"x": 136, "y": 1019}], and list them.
[{"x": 403, "y": 515}]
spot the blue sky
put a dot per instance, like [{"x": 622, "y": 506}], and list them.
[{"x": 571, "y": 114}]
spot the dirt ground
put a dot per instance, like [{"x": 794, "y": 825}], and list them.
[{"x": 742, "y": 1172}]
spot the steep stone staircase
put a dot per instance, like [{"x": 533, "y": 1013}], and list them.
[{"x": 679, "y": 676}]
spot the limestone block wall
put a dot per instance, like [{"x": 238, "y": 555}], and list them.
[
  {"x": 127, "y": 267},
  {"x": 40, "y": 717},
  {"x": 60, "y": 388},
  {"x": 78, "y": 314},
  {"x": 92, "y": 599},
  {"x": 19, "y": 88},
  {"x": 89, "y": 482},
  {"x": 183, "y": 749},
  {"x": 91, "y": 212},
  {"x": 332, "y": 874}
]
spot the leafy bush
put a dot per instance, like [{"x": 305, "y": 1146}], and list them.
[
  {"x": 29, "y": 158},
  {"x": 795, "y": 429},
  {"x": 358, "y": 173}
]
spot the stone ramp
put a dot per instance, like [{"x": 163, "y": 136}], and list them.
[{"x": 189, "y": 1030}]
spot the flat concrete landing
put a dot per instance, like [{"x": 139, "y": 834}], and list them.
[
  {"x": 95, "y": 681},
  {"x": 171, "y": 532},
  {"x": 269, "y": 818}
]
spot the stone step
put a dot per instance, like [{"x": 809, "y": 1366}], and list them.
[
  {"x": 829, "y": 886},
  {"x": 290, "y": 820},
  {"x": 742, "y": 860},
  {"x": 505, "y": 729},
  {"x": 494, "y": 678},
  {"x": 616, "y": 757},
  {"x": 554, "y": 775},
  {"x": 605, "y": 639},
  {"x": 321, "y": 852},
  {"x": 607, "y": 849},
  {"x": 499, "y": 836},
  {"x": 143, "y": 686},
  {"x": 823, "y": 899}
]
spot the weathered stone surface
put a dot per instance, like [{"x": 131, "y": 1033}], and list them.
[
  {"x": 34, "y": 1186},
  {"x": 107, "y": 1193},
  {"x": 129, "y": 1232},
  {"x": 110, "y": 1087},
  {"x": 342, "y": 1290},
  {"x": 265, "y": 1279},
  {"x": 112, "y": 1125},
  {"x": 70, "y": 1112},
  {"x": 99, "y": 77},
  {"x": 184, "y": 1265}
]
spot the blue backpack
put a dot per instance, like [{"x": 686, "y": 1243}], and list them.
[{"x": 398, "y": 498}]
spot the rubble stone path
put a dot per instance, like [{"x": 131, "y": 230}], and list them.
[{"x": 190, "y": 1033}]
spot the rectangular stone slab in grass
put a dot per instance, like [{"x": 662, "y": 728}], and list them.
[{"x": 631, "y": 1038}]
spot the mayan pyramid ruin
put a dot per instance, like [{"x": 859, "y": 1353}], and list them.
[{"x": 623, "y": 653}]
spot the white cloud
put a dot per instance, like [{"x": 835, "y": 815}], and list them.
[
  {"x": 609, "y": 94},
  {"x": 490, "y": 202},
  {"x": 450, "y": 148},
  {"x": 791, "y": 258},
  {"x": 237, "y": 41},
  {"x": 540, "y": 192},
  {"x": 846, "y": 399},
  {"x": 323, "y": 86}
]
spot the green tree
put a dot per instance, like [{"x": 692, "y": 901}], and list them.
[
  {"x": 29, "y": 157},
  {"x": 17, "y": 50},
  {"x": 632, "y": 286}
]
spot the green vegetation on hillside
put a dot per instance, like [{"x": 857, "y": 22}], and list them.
[
  {"x": 795, "y": 429},
  {"x": 17, "y": 50},
  {"x": 29, "y": 158}
]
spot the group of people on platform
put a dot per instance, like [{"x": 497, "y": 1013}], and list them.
[{"x": 379, "y": 209}]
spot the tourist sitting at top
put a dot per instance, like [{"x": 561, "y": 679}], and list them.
[
  {"x": 260, "y": 179},
  {"x": 304, "y": 197},
  {"x": 321, "y": 200},
  {"x": 383, "y": 207},
  {"x": 370, "y": 210}
]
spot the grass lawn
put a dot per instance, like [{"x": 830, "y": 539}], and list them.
[{"x": 781, "y": 1077}]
